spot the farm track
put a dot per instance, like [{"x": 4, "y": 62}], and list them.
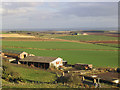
[{"x": 61, "y": 49}]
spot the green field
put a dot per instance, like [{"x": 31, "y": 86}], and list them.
[
  {"x": 54, "y": 45},
  {"x": 30, "y": 73},
  {"x": 88, "y": 38},
  {"x": 35, "y": 75},
  {"x": 90, "y": 55}
]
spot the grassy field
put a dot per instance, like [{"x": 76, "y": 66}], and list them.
[
  {"x": 97, "y": 58},
  {"x": 35, "y": 75},
  {"x": 30, "y": 73},
  {"x": 88, "y": 38},
  {"x": 73, "y": 52},
  {"x": 27, "y": 73},
  {"x": 54, "y": 45}
]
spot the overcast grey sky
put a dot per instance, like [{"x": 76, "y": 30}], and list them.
[{"x": 48, "y": 15}]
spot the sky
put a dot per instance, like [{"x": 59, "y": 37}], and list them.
[{"x": 59, "y": 15}]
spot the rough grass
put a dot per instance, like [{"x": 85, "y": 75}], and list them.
[
  {"x": 6, "y": 84},
  {"x": 30, "y": 73},
  {"x": 27, "y": 73},
  {"x": 88, "y": 38},
  {"x": 36, "y": 75}
]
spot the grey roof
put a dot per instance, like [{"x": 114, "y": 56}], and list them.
[
  {"x": 39, "y": 59},
  {"x": 11, "y": 51}
]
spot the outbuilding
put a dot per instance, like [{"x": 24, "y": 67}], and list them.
[
  {"x": 14, "y": 54},
  {"x": 42, "y": 62}
]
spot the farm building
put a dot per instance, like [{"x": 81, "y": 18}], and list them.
[
  {"x": 14, "y": 54},
  {"x": 85, "y": 34},
  {"x": 42, "y": 62}
]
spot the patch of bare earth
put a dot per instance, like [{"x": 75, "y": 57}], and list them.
[
  {"x": 109, "y": 42},
  {"x": 16, "y": 35}
]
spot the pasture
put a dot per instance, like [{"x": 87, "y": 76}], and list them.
[
  {"x": 72, "y": 52},
  {"x": 88, "y": 38},
  {"x": 54, "y": 45}
]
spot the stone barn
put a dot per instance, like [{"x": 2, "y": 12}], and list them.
[
  {"x": 15, "y": 54},
  {"x": 42, "y": 62}
]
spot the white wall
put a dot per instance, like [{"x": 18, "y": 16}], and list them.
[
  {"x": 58, "y": 62},
  {"x": 22, "y": 55}
]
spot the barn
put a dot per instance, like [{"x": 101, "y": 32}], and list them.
[
  {"x": 42, "y": 62},
  {"x": 14, "y": 53}
]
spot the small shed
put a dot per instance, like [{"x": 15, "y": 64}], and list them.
[
  {"x": 42, "y": 62},
  {"x": 14, "y": 53}
]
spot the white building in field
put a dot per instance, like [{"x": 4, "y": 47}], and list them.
[
  {"x": 84, "y": 34},
  {"x": 42, "y": 62}
]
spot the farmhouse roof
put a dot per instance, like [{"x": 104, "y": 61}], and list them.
[
  {"x": 39, "y": 59},
  {"x": 12, "y": 51}
]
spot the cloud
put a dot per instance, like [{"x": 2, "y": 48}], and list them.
[
  {"x": 14, "y": 5},
  {"x": 16, "y": 11},
  {"x": 18, "y": 8},
  {"x": 59, "y": 15},
  {"x": 90, "y": 9}
]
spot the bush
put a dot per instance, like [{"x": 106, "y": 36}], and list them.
[{"x": 69, "y": 79}]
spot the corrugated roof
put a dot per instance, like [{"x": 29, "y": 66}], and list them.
[
  {"x": 11, "y": 51},
  {"x": 39, "y": 59}
]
